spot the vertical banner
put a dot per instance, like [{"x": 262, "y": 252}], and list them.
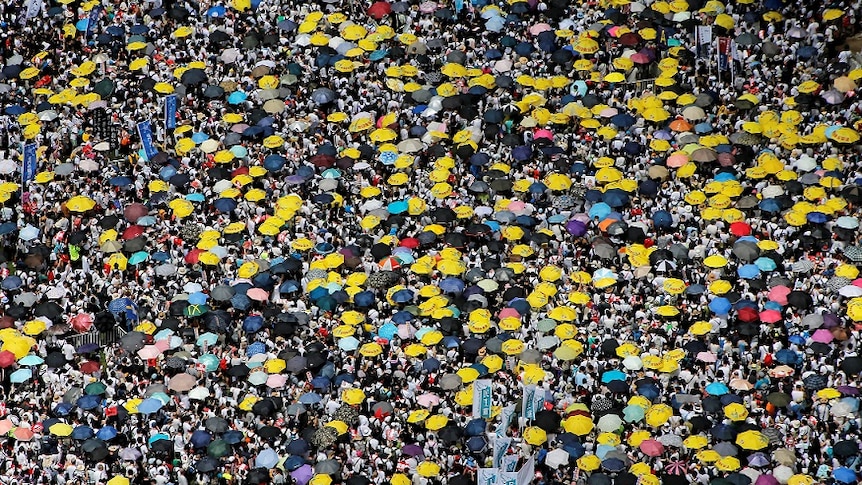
[
  {"x": 459, "y": 4},
  {"x": 723, "y": 52},
  {"x": 528, "y": 403},
  {"x": 510, "y": 464},
  {"x": 93, "y": 21},
  {"x": 501, "y": 446},
  {"x": 145, "y": 131},
  {"x": 482, "y": 398},
  {"x": 28, "y": 170},
  {"x": 508, "y": 478},
  {"x": 704, "y": 40},
  {"x": 487, "y": 476},
  {"x": 171, "y": 112},
  {"x": 527, "y": 472},
  {"x": 505, "y": 418}
]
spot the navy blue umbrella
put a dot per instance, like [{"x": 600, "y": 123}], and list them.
[
  {"x": 522, "y": 153},
  {"x": 297, "y": 447},
  {"x": 82, "y": 433},
  {"x": 723, "y": 432},
  {"x": 253, "y": 323},
  {"x": 364, "y": 299},
  {"x": 63, "y": 409},
  {"x": 475, "y": 427},
  {"x": 623, "y": 120},
  {"x": 401, "y": 317},
  {"x": 787, "y": 356},
  {"x": 233, "y": 437},
  {"x": 200, "y": 438},
  {"x": 273, "y": 162},
  {"x": 120, "y": 181},
  {"x": 89, "y": 402},
  {"x": 662, "y": 219}
]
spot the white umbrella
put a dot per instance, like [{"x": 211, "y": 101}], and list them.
[
  {"x": 503, "y": 65},
  {"x": 806, "y": 163},
  {"x": 557, "y": 458},
  {"x": 633, "y": 362},
  {"x": 209, "y": 146},
  {"x": 199, "y": 393},
  {"x": 609, "y": 422},
  {"x": 850, "y": 291},
  {"x": 8, "y": 166},
  {"x": 772, "y": 191}
]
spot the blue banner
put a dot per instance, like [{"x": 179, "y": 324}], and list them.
[
  {"x": 505, "y": 418},
  {"x": 459, "y": 4},
  {"x": 93, "y": 21},
  {"x": 145, "y": 131},
  {"x": 510, "y": 463},
  {"x": 28, "y": 171},
  {"x": 171, "y": 112},
  {"x": 528, "y": 403}
]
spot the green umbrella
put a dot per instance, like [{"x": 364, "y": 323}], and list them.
[
  {"x": 218, "y": 448},
  {"x": 95, "y": 388}
]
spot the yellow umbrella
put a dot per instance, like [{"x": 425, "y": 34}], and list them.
[
  {"x": 674, "y": 286},
  {"x": 578, "y": 424},
  {"x": 695, "y": 442},
  {"x": 118, "y": 480},
  {"x": 752, "y": 440},
  {"x": 436, "y": 422},
  {"x": 715, "y": 261},
  {"x": 727, "y": 464},
  {"x": 339, "y": 426},
  {"x": 353, "y": 396},
  {"x": 418, "y": 415},
  {"x": 828, "y": 393},
  {"x": 467, "y": 374},
  {"x": 80, "y": 203},
  {"x": 428, "y": 469},
  {"x": 548, "y": 273},
  {"x": 513, "y": 347},
  {"x": 736, "y": 411},
  {"x": 320, "y": 479},
  {"x": 60, "y": 429},
  {"x": 415, "y": 350},
  {"x": 658, "y": 414},
  {"x": 700, "y": 328},
  {"x": 34, "y": 327},
  {"x": 370, "y": 349},
  {"x": 535, "y": 435},
  {"x": 589, "y": 463},
  {"x": 400, "y": 479}
]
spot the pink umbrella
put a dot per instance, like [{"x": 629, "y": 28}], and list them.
[
  {"x": 428, "y": 400},
  {"x": 257, "y": 294},
  {"x": 149, "y": 352},
  {"x": 6, "y": 426},
  {"x": 677, "y": 467},
  {"x": 770, "y": 316},
  {"x": 543, "y": 133},
  {"x": 276, "y": 381},
  {"x": 707, "y": 357},
  {"x": 857, "y": 282},
  {"x": 517, "y": 206},
  {"x": 509, "y": 312},
  {"x": 23, "y": 434},
  {"x": 428, "y": 7},
  {"x": 163, "y": 344},
  {"x": 778, "y": 294},
  {"x": 539, "y": 28},
  {"x": 678, "y": 160},
  {"x": 823, "y": 336},
  {"x": 652, "y": 447}
]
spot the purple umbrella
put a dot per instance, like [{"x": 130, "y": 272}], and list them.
[
  {"x": 848, "y": 390},
  {"x": 412, "y": 450},
  {"x": 766, "y": 480},
  {"x": 831, "y": 320},
  {"x": 576, "y": 228},
  {"x": 303, "y": 474}
]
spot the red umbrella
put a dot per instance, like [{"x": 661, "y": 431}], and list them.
[
  {"x": 133, "y": 212},
  {"x": 748, "y": 314},
  {"x": 90, "y": 367},
  {"x": 81, "y": 322},
  {"x": 409, "y": 242},
  {"x": 132, "y": 232},
  {"x": 390, "y": 264},
  {"x": 6, "y": 359},
  {"x": 378, "y": 10},
  {"x": 652, "y": 447},
  {"x": 193, "y": 256},
  {"x": 740, "y": 228}
]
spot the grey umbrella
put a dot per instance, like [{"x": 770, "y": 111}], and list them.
[
  {"x": 450, "y": 381},
  {"x": 726, "y": 448},
  {"x": 166, "y": 270},
  {"x": 328, "y": 467},
  {"x": 457, "y": 57},
  {"x": 72, "y": 395},
  {"x": 531, "y": 356},
  {"x": 421, "y": 95},
  {"x": 132, "y": 341},
  {"x": 216, "y": 424},
  {"x": 746, "y": 250},
  {"x": 27, "y": 299},
  {"x": 323, "y": 96},
  {"x": 222, "y": 293}
]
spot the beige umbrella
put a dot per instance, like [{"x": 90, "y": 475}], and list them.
[
  {"x": 694, "y": 113},
  {"x": 273, "y": 106},
  {"x": 260, "y": 71},
  {"x": 209, "y": 146},
  {"x": 844, "y": 84},
  {"x": 228, "y": 85}
]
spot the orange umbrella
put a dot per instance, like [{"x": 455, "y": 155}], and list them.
[{"x": 680, "y": 125}]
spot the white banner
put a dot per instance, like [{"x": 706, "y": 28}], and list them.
[
  {"x": 33, "y": 8},
  {"x": 482, "y": 398},
  {"x": 527, "y": 472},
  {"x": 505, "y": 418},
  {"x": 501, "y": 446},
  {"x": 509, "y": 478},
  {"x": 487, "y": 476},
  {"x": 510, "y": 463}
]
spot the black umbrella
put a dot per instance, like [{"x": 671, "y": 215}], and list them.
[
  {"x": 193, "y": 77},
  {"x": 216, "y": 424}
]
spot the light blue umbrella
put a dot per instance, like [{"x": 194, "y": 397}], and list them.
[
  {"x": 210, "y": 362},
  {"x": 717, "y": 389},
  {"x": 397, "y": 207},
  {"x": 749, "y": 271},
  {"x": 348, "y": 344},
  {"x": 236, "y": 97},
  {"x": 149, "y": 406},
  {"x": 200, "y": 137},
  {"x": 28, "y": 233},
  {"x": 198, "y": 298},
  {"x": 207, "y": 339},
  {"x": 239, "y": 151},
  {"x": 765, "y": 264},
  {"x": 20, "y": 375},
  {"x": 613, "y": 375},
  {"x": 31, "y": 360},
  {"x": 257, "y": 378},
  {"x": 158, "y": 437},
  {"x": 195, "y": 197},
  {"x": 633, "y": 413},
  {"x": 599, "y": 211},
  {"x": 387, "y": 330},
  {"x": 267, "y": 458},
  {"x": 146, "y": 221},
  {"x": 138, "y": 257},
  {"x": 331, "y": 173}
]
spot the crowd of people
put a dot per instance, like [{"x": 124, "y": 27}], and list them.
[{"x": 421, "y": 243}]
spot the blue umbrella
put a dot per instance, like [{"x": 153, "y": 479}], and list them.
[
  {"x": 225, "y": 204},
  {"x": 613, "y": 375},
  {"x": 82, "y": 433},
  {"x": 63, "y": 408},
  {"x": 310, "y": 398},
  {"x": 149, "y": 406},
  {"x": 599, "y": 211},
  {"x": 267, "y": 458},
  {"x": 120, "y": 181},
  {"x": 8, "y": 228},
  {"x": 402, "y": 317},
  {"x": 723, "y": 432},
  {"x": 273, "y": 162},
  {"x": 240, "y": 302},
  {"x": 817, "y": 217},
  {"x": 20, "y": 375},
  {"x": 293, "y": 463},
  {"x": 348, "y": 344},
  {"x": 717, "y": 389},
  {"x": 216, "y": 11},
  {"x": 452, "y": 285},
  {"x": 89, "y": 402},
  {"x": 232, "y": 436},
  {"x": 387, "y": 330},
  {"x": 253, "y": 323},
  {"x": 320, "y": 382},
  {"x": 107, "y": 433},
  {"x": 748, "y": 271},
  {"x": 200, "y": 438},
  {"x": 198, "y": 298},
  {"x": 662, "y": 218},
  {"x": 720, "y": 306},
  {"x": 844, "y": 475},
  {"x": 402, "y": 296},
  {"x": 522, "y": 153},
  {"x": 787, "y": 356},
  {"x": 256, "y": 348},
  {"x": 12, "y": 282},
  {"x": 31, "y": 360}
]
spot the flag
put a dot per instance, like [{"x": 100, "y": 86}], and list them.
[
  {"x": 501, "y": 446},
  {"x": 704, "y": 40},
  {"x": 533, "y": 400},
  {"x": 510, "y": 463},
  {"x": 145, "y": 131},
  {"x": 723, "y": 52},
  {"x": 28, "y": 171},
  {"x": 505, "y": 418},
  {"x": 487, "y": 476},
  {"x": 508, "y": 478},
  {"x": 527, "y": 472},
  {"x": 33, "y": 8},
  {"x": 482, "y": 398},
  {"x": 93, "y": 21},
  {"x": 171, "y": 112}
]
